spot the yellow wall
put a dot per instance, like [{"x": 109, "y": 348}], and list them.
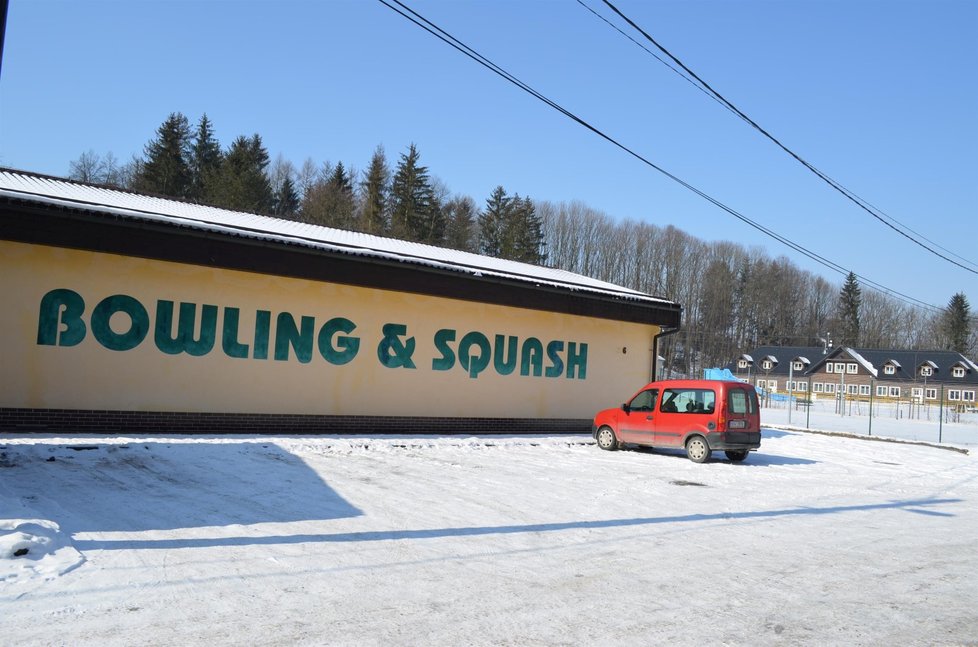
[{"x": 88, "y": 375}]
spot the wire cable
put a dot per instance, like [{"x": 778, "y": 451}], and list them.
[
  {"x": 862, "y": 204},
  {"x": 425, "y": 24}
]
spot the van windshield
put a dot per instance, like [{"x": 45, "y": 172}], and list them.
[{"x": 741, "y": 401}]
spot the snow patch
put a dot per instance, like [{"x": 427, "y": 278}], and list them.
[{"x": 35, "y": 548}]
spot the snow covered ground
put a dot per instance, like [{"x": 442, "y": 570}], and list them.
[{"x": 814, "y": 540}]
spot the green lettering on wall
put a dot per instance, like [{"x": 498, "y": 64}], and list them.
[
  {"x": 184, "y": 341},
  {"x": 138, "y": 318},
  {"x": 478, "y": 363},
  {"x": 577, "y": 359},
  {"x": 345, "y": 348},
  {"x": 556, "y": 368},
  {"x": 263, "y": 325},
  {"x": 229, "y": 336},
  {"x": 61, "y": 307},
  {"x": 504, "y": 360},
  {"x": 531, "y": 358},
  {"x": 286, "y": 335},
  {"x": 447, "y": 359}
]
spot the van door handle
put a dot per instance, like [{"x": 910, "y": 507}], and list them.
[{"x": 648, "y": 417}]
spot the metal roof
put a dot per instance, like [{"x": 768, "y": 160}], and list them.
[{"x": 38, "y": 189}]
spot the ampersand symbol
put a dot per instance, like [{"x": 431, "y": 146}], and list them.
[{"x": 392, "y": 352}]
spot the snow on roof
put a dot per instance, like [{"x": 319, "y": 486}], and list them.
[
  {"x": 862, "y": 360},
  {"x": 747, "y": 357},
  {"x": 930, "y": 364},
  {"x": 802, "y": 359},
  {"x": 64, "y": 193},
  {"x": 771, "y": 358},
  {"x": 894, "y": 363}
]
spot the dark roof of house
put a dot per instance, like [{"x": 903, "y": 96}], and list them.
[
  {"x": 906, "y": 362},
  {"x": 783, "y": 354}
]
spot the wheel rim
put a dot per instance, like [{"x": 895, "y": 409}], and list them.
[
  {"x": 697, "y": 449},
  {"x": 606, "y": 438}
]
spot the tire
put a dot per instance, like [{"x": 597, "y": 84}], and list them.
[
  {"x": 606, "y": 439},
  {"x": 737, "y": 455},
  {"x": 697, "y": 449}
]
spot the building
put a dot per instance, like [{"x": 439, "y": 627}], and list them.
[
  {"x": 129, "y": 312},
  {"x": 921, "y": 377}
]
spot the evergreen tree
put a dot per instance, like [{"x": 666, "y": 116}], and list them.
[
  {"x": 373, "y": 212},
  {"x": 461, "y": 231},
  {"x": 330, "y": 200},
  {"x": 956, "y": 323},
  {"x": 492, "y": 223},
  {"x": 286, "y": 201},
  {"x": 523, "y": 232},
  {"x": 850, "y": 300},
  {"x": 243, "y": 184},
  {"x": 205, "y": 161},
  {"x": 166, "y": 170},
  {"x": 412, "y": 204}
]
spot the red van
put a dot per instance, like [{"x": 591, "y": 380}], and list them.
[{"x": 699, "y": 416}]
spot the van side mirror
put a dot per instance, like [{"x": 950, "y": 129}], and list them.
[{"x": 625, "y": 408}]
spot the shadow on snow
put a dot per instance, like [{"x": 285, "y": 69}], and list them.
[
  {"x": 472, "y": 531},
  {"x": 163, "y": 486}
]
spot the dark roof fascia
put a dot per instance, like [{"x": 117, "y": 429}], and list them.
[{"x": 55, "y": 225}]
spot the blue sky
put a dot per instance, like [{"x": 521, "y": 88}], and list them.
[{"x": 880, "y": 95}]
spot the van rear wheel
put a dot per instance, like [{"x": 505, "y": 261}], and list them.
[
  {"x": 606, "y": 439},
  {"x": 736, "y": 455},
  {"x": 697, "y": 449}
]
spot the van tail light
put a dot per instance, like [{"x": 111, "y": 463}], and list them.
[{"x": 722, "y": 418}]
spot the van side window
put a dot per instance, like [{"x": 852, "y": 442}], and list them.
[
  {"x": 644, "y": 401},
  {"x": 688, "y": 401},
  {"x": 740, "y": 402}
]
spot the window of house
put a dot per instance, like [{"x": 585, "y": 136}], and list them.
[
  {"x": 840, "y": 367},
  {"x": 803, "y": 386},
  {"x": 772, "y": 384},
  {"x": 852, "y": 368},
  {"x": 957, "y": 371},
  {"x": 953, "y": 394},
  {"x": 828, "y": 367},
  {"x": 916, "y": 393},
  {"x": 798, "y": 366},
  {"x": 863, "y": 389},
  {"x": 766, "y": 365},
  {"x": 930, "y": 394},
  {"x": 926, "y": 371},
  {"x": 894, "y": 392},
  {"x": 889, "y": 369},
  {"x": 830, "y": 387},
  {"x": 881, "y": 391},
  {"x": 816, "y": 387},
  {"x": 853, "y": 389},
  {"x": 968, "y": 396},
  {"x": 742, "y": 363}
]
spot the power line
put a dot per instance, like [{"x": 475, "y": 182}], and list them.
[
  {"x": 422, "y": 22},
  {"x": 862, "y": 204}
]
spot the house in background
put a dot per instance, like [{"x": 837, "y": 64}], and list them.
[{"x": 922, "y": 377}]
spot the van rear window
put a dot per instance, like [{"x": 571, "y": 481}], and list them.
[{"x": 742, "y": 401}]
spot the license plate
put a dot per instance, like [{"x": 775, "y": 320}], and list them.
[{"x": 737, "y": 424}]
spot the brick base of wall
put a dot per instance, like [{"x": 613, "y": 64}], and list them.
[{"x": 128, "y": 422}]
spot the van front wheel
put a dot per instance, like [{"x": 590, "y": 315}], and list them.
[
  {"x": 607, "y": 439},
  {"x": 697, "y": 449}
]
